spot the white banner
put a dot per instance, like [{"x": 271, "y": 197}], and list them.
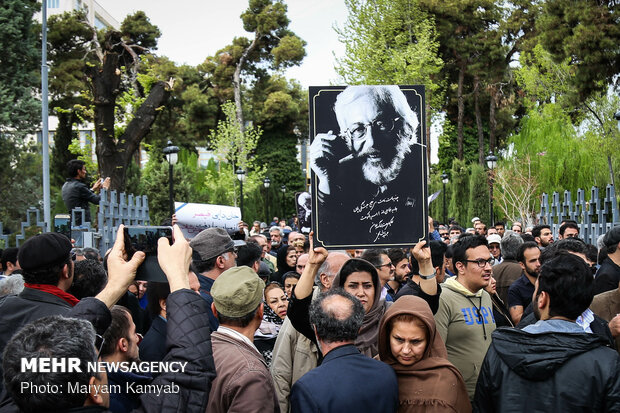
[{"x": 193, "y": 218}]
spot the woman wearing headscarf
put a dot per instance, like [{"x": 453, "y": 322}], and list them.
[
  {"x": 286, "y": 259},
  {"x": 357, "y": 277},
  {"x": 274, "y": 311},
  {"x": 410, "y": 344}
]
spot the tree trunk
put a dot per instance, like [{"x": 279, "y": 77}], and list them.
[
  {"x": 237, "y": 81},
  {"x": 478, "y": 120},
  {"x": 114, "y": 155},
  {"x": 461, "y": 113},
  {"x": 492, "y": 121}
]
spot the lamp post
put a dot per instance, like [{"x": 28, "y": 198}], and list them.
[
  {"x": 444, "y": 180},
  {"x": 266, "y": 184},
  {"x": 241, "y": 177},
  {"x": 491, "y": 160},
  {"x": 171, "y": 156},
  {"x": 283, "y": 189}
]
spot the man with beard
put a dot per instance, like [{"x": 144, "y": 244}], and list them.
[
  {"x": 366, "y": 174},
  {"x": 520, "y": 292},
  {"x": 553, "y": 365},
  {"x": 120, "y": 344},
  {"x": 542, "y": 235}
]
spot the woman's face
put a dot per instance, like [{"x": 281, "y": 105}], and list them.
[
  {"x": 408, "y": 342},
  {"x": 291, "y": 258},
  {"x": 491, "y": 288},
  {"x": 277, "y": 301},
  {"x": 289, "y": 283},
  {"x": 359, "y": 284}
]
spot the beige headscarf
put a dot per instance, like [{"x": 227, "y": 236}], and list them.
[{"x": 432, "y": 384}]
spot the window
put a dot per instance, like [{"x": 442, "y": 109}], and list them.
[{"x": 53, "y": 4}]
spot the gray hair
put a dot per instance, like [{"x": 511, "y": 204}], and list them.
[
  {"x": 13, "y": 284},
  {"x": 332, "y": 324},
  {"x": 325, "y": 268},
  {"x": 510, "y": 245},
  {"x": 275, "y": 228},
  {"x": 381, "y": 95},
  {"x": 56, "y": 337}
]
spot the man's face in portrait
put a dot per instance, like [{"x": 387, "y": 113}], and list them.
[{"x": 372, "y": 133}]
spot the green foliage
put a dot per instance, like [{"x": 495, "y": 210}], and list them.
[
  {"x": 436, "y": 207},
  {"x": 154, "y": 183},
  {"x": 138, "y": 29},
  {"x": 560, "y": 160},
  {"x": 390, "y": 42},
  {"x": 232, "y": 144},
  {"x": 19, "y": 110},
  {"x": 588, "y": 33},
  {"x": 460, "y": 192},
  {"x": 479, "y": 193}
]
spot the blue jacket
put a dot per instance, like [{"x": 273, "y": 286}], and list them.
[
  {"x": 346, "y": 381},
  {"x": 153, "y": 346}
]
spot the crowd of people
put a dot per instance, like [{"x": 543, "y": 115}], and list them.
[{"x": 488, "y": 319}]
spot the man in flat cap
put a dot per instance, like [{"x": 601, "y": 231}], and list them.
[
  {"x": 243, "y": 382},
  {"x": 608, "y": 275},
  {"x": 213, "y": 252},
  {"x": 48, "y": 272}
]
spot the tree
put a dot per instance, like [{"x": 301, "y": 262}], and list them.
[
  {"x": 273, "y": 44},
  {"x": 392, "y": 42},
  {"x": 479, "y": 193},
  {"x": 460, "y": 191},
  {"x": 19, "y": 111}
]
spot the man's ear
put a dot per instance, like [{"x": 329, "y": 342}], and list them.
[
  {"x": 213, "y": 310},
  {"x": 122, "y": 344},
  {"x": 522, "y": 265},
  {"x": 66, "y": 271},
  {"x": 162, "y": 303},
  {"x": 259, "y": 313},
  {"x": 459, "y": 266},
  {"x": 94, "y": 393}
]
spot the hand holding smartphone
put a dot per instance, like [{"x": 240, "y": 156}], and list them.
[{"x": 145, "y": 238}]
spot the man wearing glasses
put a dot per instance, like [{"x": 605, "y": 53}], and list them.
[
  {"x": 465, "y": 316},
  {"x": 367, "y": 173}
]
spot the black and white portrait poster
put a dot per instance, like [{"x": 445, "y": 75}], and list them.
[
  {"x": 368, "y": 162},
  {"x": 303, "y": 203}
]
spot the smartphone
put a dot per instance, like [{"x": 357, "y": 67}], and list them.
[
  {"x": 145, "y": 238},
  {"x": 62, "y": 224}
]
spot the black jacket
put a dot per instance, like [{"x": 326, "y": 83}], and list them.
[
  {"x": 76, "y": 194},
  {"x": 153, "y": 346},
  {"x": 607, "y": 277},
  {"x": 413, "y": 288},
  {"x": 548, "y": 372}
]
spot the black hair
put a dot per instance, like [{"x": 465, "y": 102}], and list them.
[
  {"x": 290, "y": 274},
  {"x": 568, "y": 224},
  {"x": 568, "y": 281},
  {"x": 459, "y": 250},
  {"x": 574, "y": 245},
  {"x": 396, "y": 255},
  {"x": 538, "y": 229},
  {"x": 525, "y": 246},
  {"x": 89, "y": 278},
  {"x": 157, "y": 291},
  {"x": 358, "y": 265},
  {"x": 249, "y": 253},
  {"x": 449, "y": 251},
  {"x": 591, "y": 253},
  {"x": 373, "y": 256},
  {"x": 334, "y": 326},
  {"x": 455, "y": 228},
  {"x": 527, "y": 237},
  {"x": 73, "y": 166},
  {"x": 502, "y": 223},
  {"x": 438, "y": 251},
  {"x": 9, "y": 255},
  {"x": 119, "y": 328},
  {"x": 91, "y": 254}
]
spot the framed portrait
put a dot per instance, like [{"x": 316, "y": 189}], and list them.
[{"x": 368, "y": 166}]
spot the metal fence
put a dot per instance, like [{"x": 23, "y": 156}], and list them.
[
  {"x": 595, "y": 216},
  {"x": 114, "y": 209}
]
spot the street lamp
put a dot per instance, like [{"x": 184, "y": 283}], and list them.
[
  {"x": 283, "y": 189},
  {"x": 491, "y": 160},
  {"x": 241, "y": 177},
  {"x": 171, "y": 156},
  {"x": 266, "y": 184},
  {"x": 444, "y": 180}
]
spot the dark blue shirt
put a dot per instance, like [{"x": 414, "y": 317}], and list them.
[
  {"x": 520, "y": 292},
  {"x": 205, "y": 292}
]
